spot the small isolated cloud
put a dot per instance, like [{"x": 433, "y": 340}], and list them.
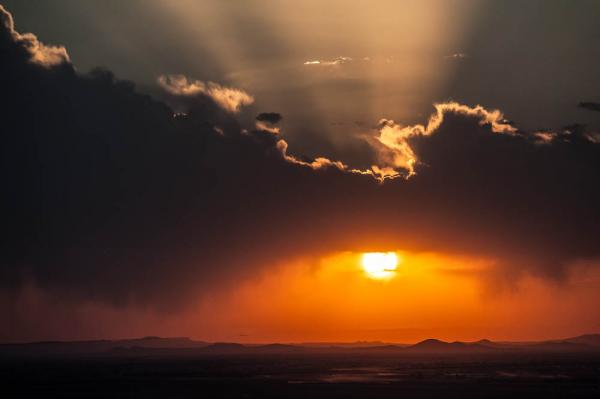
[
  {"x": 228, "y": 98},
  {"x": 268, "y": 121},
  {"x": 270, "y": 117},
  {"x": 544, "y": 137},
  {"x": 336, "y": 61},
  {"x": 593, "y": 137},
  {"x": 456, "y": 56},
  {"x": 39, "y": 53}
]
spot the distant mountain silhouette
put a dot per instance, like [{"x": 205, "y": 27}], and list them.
[
  {"x": 356, "y": 344},
  {"x": 98, "y": 346},
  {"x": 278, "y": 348},
  {"x": 224, "y": 347},
  {"x": 158, "y": 342},
  {"x": 185, "y": 346},
  {"x": 382, "y": 348},
  {"x": 434, "y": 344},
  {"x": 437, "y": 346},
  {"x": 586, "y": 339},
  {"x": 564, "y": 346}
]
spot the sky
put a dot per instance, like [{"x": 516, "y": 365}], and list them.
[{"x": 219, "y": 169}]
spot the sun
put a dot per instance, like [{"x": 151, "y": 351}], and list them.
[{"x": 380, "y": 265}]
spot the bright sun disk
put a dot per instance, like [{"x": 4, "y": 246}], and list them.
[{"x": 380, "y": 265}]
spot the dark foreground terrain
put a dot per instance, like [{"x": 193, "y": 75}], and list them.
[
  {"x": 154, "y": 367},
  {"x": 302, "y": 375}
]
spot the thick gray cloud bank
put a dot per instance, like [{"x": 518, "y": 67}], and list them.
[{"x": 108, "y": 195}]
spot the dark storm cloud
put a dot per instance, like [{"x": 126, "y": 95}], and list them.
[
  {"x": 107, "y": 195},
  {"x": 590, "y": 106}
]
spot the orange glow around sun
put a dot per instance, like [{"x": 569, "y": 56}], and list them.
[{"x": 395, "y": 296}]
